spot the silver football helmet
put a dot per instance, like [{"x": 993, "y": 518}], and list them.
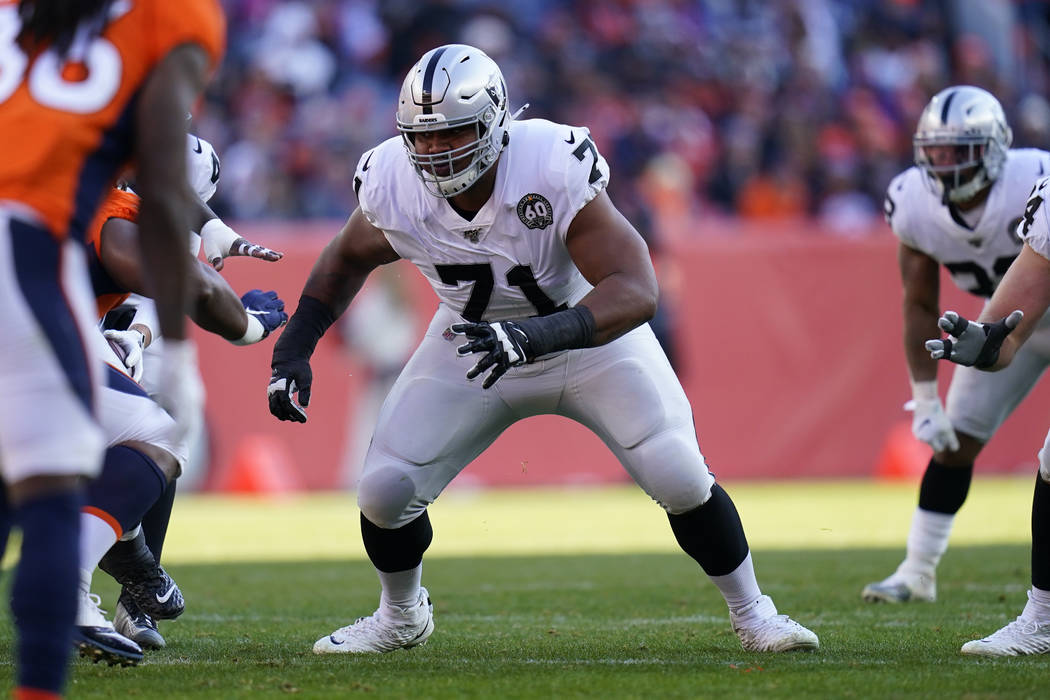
[
  {"x": 969, "y": 122},
  {"x": 453, "y": 86}
]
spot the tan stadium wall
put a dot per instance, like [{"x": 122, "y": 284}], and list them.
[{"x": 791, "y": 347}]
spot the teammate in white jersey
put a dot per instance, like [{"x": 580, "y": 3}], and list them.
[
  {"x": 997, "y": 343},
  {"x": 958, "y": 207},
  {"x": 544, "y": 290}
]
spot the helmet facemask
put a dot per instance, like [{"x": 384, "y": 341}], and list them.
[{"x": 452, "y": 87}]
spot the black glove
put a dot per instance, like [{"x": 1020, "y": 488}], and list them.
[
  {"x": 504, "y": 343},
  {"x": 289, "y": 377},
  {"x": 975, "y": 344}
]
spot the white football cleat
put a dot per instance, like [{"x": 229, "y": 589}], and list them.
[
  {"x": 96, "y": 638},
  {"x": 760, "y": 628},
  {"x": 387, "y": 629},
  {"x": 902, "y": 588},
  {"x": 1023, "y": 636}
]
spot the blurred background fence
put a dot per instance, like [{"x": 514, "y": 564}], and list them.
[{"x": 750, "y": 142}]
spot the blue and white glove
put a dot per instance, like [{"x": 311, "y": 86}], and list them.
[
  {"x": 504, "y": 343},
  {"x": 265, "y": 314},
  {"x": 970, "y": 343}
]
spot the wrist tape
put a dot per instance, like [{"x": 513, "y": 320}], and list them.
[{"x": 564, "y": 330}]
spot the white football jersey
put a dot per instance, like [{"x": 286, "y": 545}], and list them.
[
  {"x": 977, "y": 256},
  {"x": 1034, "y": 227},
  {"x": 510, "y": 260}
]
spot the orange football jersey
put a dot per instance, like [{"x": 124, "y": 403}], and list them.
[
  {"x": 119, "y": 204},
  {"x": 68, "y": 127}
]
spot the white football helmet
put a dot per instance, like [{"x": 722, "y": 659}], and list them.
[
  {"x": 202, "y": 166},
  {"x": 452, "y": 86},
  {"x": 202, "y": 169},
  {"x": 971, "y": 122}
]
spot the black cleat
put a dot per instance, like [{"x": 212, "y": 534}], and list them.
[
  {"x": 136, "y": 625},
  {"x": 144, "y": 580}
]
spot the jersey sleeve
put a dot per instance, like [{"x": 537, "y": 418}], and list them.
[
  {"x": 119, "y": 204},
  {"x": 586, "y": 171},
  {"x": 895, "y": 213},
  {"x": 1034, "y": 227},
  {"x": 364, "y": 185}
]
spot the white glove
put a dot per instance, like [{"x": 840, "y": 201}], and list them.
[
  {"x": 931, "y": 425},
  {"x": 179, "y": 388},
  {"x": 128, "y": 346},
  {"x": 220, "y": 242}
]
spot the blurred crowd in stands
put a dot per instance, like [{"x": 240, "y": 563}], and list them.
[{"x": 761, "y": 109}]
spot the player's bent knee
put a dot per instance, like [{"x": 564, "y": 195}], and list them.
[
  {"x": 965, "y": 456},
  {"x": 168, "y": 464},
  {"x": 672, "y": 471},
  {"x": 386, "y": 497}
]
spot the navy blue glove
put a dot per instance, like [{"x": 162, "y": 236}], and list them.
[{"x": 266, "y": 308}]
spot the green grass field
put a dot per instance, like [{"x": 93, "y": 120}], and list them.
[{"x": 581, "y": 593}]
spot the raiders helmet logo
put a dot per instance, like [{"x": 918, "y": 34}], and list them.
[{"x": 535, "y": 211}]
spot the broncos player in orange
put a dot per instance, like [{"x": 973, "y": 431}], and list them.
[{"x": 87, "y": 86}]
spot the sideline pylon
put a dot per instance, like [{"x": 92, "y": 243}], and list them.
[
  {"x": 903, "y": 456},
  {"x": 261, "y": 464}
]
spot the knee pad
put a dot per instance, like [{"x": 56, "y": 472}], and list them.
[
  {"x": 387, "y": 497},
  {"x": 670, "y": 468}
]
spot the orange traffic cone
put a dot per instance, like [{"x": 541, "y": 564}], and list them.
[
  {"x": 261, "y": 464},
  {"x": 903, "y": 456}
]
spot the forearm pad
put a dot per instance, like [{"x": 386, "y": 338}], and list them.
[
  {"x": 306, "y": 326},
  {"x": 564, "y": 330}
]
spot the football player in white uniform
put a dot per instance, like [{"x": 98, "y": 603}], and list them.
[
  {"x": 1015, "y": 314},
  {"x": 544, "y": 290},
  {"x": 958, "y": 207},
  {"x": 145, "y": 448}
]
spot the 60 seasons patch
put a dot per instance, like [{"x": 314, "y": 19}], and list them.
[{"x": 535, "y": 211}]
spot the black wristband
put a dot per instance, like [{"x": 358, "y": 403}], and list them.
[
  {"x": 564, "y": 330},
  {"x": 306, "y": 326}
]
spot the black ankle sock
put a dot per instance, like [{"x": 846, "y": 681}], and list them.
[{"x": 126, "y": 559}]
